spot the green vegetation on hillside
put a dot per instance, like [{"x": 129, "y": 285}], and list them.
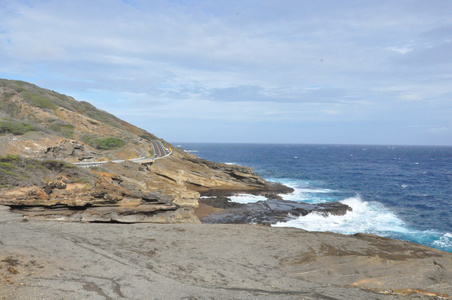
[
  {"x": 50, "y": 100},
  {"x": 147, "y": 136},
  {"x": 26, "y": 107},
  {"x": 8, "y": 126},
  {"x": 108, "y": 143},
  {"x": 103, "y": 117},
  {"x": 19, "y": 171},
  {"x": 62, "y": 128},
  {"x": 36, "y": 96},
  {"x": 38, "y": 100},
  {"x": 103, "y": 144}
]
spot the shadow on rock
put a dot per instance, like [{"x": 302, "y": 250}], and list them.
[{"x": 266, "y": 212}]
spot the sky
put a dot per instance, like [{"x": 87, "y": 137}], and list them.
[{"x": 245, "y": 71}]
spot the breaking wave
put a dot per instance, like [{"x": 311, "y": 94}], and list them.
[{"x": 366, "y": 217}]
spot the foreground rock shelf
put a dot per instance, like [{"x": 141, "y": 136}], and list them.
[{"x": 56, "y": 260}]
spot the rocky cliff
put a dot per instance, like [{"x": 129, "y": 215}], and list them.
[{"x": 38, "y": 126}]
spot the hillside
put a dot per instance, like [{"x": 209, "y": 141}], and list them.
[
  {"x": 43, "y": 134},
  {"x": 32, "y": 117},
  {"x": 38, "y": 125}
]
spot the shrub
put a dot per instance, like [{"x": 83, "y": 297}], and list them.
[
  {"x": 39, "y": 100},
  {"x": 88, "y": 138},
  {"x": 64, "y": 129},
  {"x": 20, "y": 171},
  {"x": 5, "y": 173},
  {"x": 146, "y": 136},
  {"x": 15, "y": 127},
  {"x": 108, "y": 143},
  {"x": 6, "y": 166},
  {"x": 103, "y": 144},
  {"x": 9, "y": 158},
  {"x": 57, "y": 165},
  {"x": 97, "y": 114}
]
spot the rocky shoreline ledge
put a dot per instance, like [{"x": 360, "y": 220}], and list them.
[
  {"x": 151, "y": 255},
  {"x": 66, "y": 260},
  {"x": 221, "y": 210}
]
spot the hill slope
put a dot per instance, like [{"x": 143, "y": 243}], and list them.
[
  {"x": 35, "y": 120},
  {"x": 38, "y": 124}
]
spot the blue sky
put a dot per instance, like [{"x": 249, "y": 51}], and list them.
[{"x": 336, "y": 72}]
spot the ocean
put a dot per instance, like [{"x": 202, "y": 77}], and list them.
[{"x": 401, "y": 192}]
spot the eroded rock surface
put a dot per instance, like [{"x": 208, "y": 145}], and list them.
[
  {"x": 60, "y": 260},
  {"x": 43, "y": 125},
  {"x": 108, "y": 200},
  {"x": 165, "y": 191},
  {"x": 266, "y": 212}
]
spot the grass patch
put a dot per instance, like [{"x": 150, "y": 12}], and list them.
[
  {"x": 14, "y": 127},
  {"x": 6, "y": 166},
  {"x": 9, "y": 158},
  {"x": 62, "y": 128},
  {"x": 38, "y": 100},
  {"x": 109, "y": 143},
  {"x": 103, "y": 117},
  {"x": 50, "y": 100},
  {"x": 147, "y": 136},
  {"x": 103, "y": 143},
  {"x": 20, "y": 171}
]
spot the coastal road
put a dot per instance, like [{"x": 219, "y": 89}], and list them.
[{"x": 159, "y": 150}]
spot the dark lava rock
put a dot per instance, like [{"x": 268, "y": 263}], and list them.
[{"x": 267, "y": 212}]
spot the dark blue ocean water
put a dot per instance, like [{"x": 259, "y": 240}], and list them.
[{"x": 402, "y": 192}]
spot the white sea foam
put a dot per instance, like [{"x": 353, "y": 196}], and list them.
[
  {"x": 444, "y": 242},
  {"x": 305, "y": 192},
  {"x": 244, "y": 198},
  {"x": 368, "y": 217}
]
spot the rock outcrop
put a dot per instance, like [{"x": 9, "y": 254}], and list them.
[
  {"x": 71, "y": 149},
  {"x": 43, "y": 125},
  {"x": 107, "y": 200},
  {"x": 212, "y": 261},
  {"x": 266, "y": 212},
  {"x": 164, "y": 191}
]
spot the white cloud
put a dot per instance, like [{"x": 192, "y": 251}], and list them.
[
  {"x": 411, "y": 97},
  {"x": 238, "y": 61},
  {"x": 401, "y": 50}
]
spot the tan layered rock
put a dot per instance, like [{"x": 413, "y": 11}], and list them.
[
  {"x": 167, "y": 190},
  {"x": 45, "y": 125},
  {"x": 204, "y": 176}
]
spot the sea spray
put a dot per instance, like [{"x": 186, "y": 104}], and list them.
[
  {"x": 401, "y": 192},
  {"x": 366, "y": 217},
  {"x": 373, "y": 218}
]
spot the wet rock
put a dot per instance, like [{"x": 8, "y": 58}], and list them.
[{"x": 266, "y": 212}]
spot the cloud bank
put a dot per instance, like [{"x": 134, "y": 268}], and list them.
[{"x": 361, "y": 72}]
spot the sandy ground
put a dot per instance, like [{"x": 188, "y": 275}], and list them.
[{"x": 62, "y": 260}]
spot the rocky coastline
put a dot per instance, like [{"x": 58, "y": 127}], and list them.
[
  {"x": 134, "y": 230},
  {"x": 67, "y": 260},
  {"x": 40, "y": 141},
  {"x": 268, "y": 212}
]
